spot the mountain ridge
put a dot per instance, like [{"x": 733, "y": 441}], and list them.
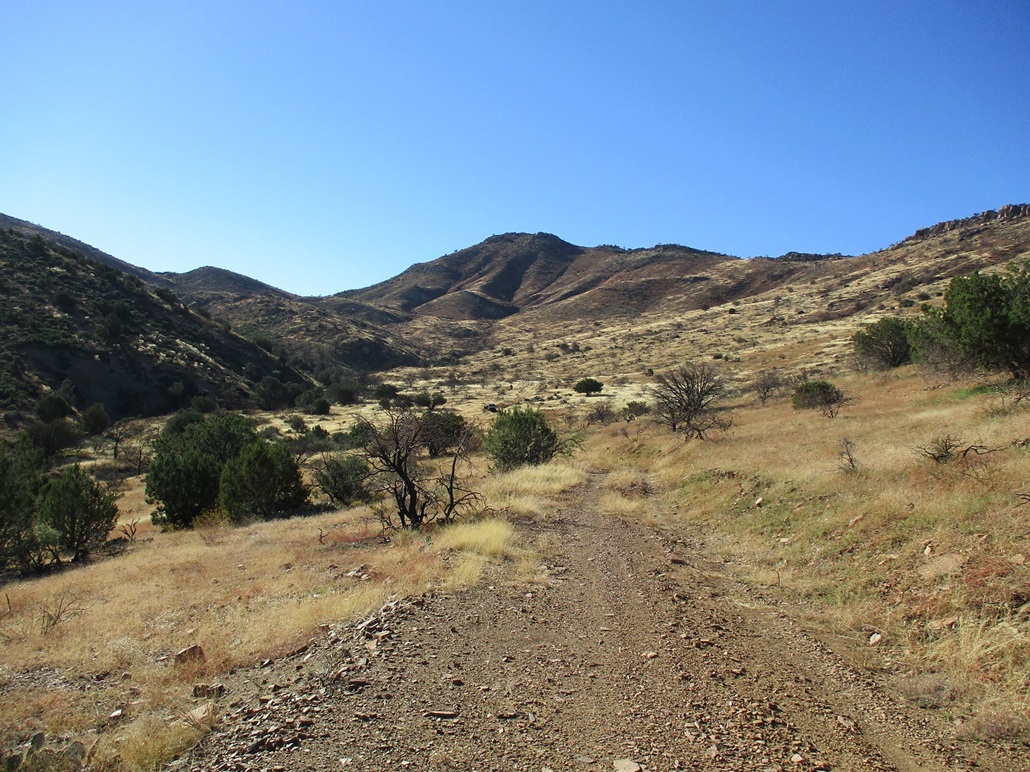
[{"x": 439, "y": 311}]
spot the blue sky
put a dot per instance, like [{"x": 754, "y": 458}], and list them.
[{"x": 323, "y": 146}]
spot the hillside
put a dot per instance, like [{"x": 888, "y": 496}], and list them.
[
  {"x": 69, "y": 318},
  {"x": 515, "y": 290}
]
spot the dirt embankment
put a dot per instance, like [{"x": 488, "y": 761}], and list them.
[{"x": 639, "y": 655}]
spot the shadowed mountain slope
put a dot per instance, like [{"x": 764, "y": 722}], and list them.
[
  {"x": 536, "y": 286},
  {"x": 67, "y": 318}
]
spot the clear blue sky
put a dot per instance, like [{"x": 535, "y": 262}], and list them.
[{"x": 322, "y": 146}]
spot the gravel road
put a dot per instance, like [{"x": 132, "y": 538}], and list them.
[{"x": 639, "y": 655}]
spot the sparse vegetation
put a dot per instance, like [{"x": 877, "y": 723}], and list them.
[
  {"x": 921, "y": 539},
  {"x": 686, "y": 399}
]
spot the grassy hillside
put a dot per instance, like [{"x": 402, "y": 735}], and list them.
[{"x": 115, "y": 341}]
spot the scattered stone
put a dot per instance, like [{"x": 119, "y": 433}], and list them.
[
  {"x": 441, "y": 713},
  {"x": 194, "y": 653},
  {"x": 625, "y": 765},
  {"x": 875, "y": 638},
  {"x": 208, "y": 691}
]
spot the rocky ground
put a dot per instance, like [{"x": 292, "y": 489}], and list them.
[{"x": 639, "y": 655}]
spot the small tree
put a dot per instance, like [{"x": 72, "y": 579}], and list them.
[
  {"x": 522, "y": 436},
  {"x": 766, "y": 385},
  {"x": 588, "y": 386},
  {"x": 183, "y": 476},
  {"x": 74, "y": 514},
  {"x": 21, "y": 477},
  {"x": 51, "y": 406},
  {"x": 819, "y": 395},
  {"x": 342, "y": 478},
  {"x": 985, "y": 323},
  {"x": 53, "y": 436},
  {"x": 95, "y": 419},
  {"x": 685, "y": 398},
  {"x": 183, "y": 481},
  {"x": 443, "y": 431},
  {"x": 884, "y": 344},
  {"x": 263, "y": 480},
  {"x": 419, "y": 491}
]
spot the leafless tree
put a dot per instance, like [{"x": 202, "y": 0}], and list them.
[
  {"x": 421, "y": 490},
  {"x": 685, "y": 399},
  {"x": 767, "y": 384}
]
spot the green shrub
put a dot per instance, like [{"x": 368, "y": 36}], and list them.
[
  {"x": 95, "y": 419},
  {"x": 264, "y": 480},
  {"x": 183, "y": 477},
  {"x": 342, "y": 479},
  {"x": 74, "y": 514},
  {"x": 53, "y": 436},
  {"x": 588, "y": 386},
  {"x": 522, "y": 436},
  {"x": 50, "y": 407},
  {"x": 427, "y": 400},
  {"x": 443, "y": 431},
  {"x": 883, "y": 344},
  {"x": 985, "y": 323},
  {"x": 819, "y": 395},
  {"x": 21, "y": 477}
]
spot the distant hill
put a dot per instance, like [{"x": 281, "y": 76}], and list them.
[
  {"x": 105, "y": 336},
  {"x": 523, "y": 285},
  {"x": 517, "y": 271}
]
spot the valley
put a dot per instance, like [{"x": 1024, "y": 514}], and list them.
[{"x": 794, "y": 592}]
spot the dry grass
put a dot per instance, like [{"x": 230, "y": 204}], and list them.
[
  {"x": 79, "y": 645},
  {"x": 531, "y": 490},
  {"x": 932, "y": 556}
]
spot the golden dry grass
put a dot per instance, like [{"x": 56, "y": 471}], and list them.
[
  {"x": 79, "y": 645},
  {"x": 932, "y": 556}
]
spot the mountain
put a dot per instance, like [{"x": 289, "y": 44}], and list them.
[
  {"x": 507, "y": 274},
  {"x": 514, "y": 287},
  {"x": 54, "y": 238},
  {"x": 101, "y": 335}
]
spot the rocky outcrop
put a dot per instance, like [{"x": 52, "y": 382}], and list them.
[{"x": 1007, "y": 213}]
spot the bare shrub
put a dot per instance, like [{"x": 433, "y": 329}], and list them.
[
  {"x": 58, "y": 609},
  {"x": 601, "y": 413},
  {"x": 685, "y": 399},
  {"x": 766, "y": 385}
]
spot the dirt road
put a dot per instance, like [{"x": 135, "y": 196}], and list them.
[{"x": 638, "y": 656}]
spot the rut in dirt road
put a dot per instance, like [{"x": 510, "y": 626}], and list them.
[{"x": 636, "y": 656}]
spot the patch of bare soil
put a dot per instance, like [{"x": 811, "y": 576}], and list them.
[{"x": 640, "y": 655}]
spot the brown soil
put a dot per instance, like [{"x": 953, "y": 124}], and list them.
[{"x": 641, "y": 654}]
